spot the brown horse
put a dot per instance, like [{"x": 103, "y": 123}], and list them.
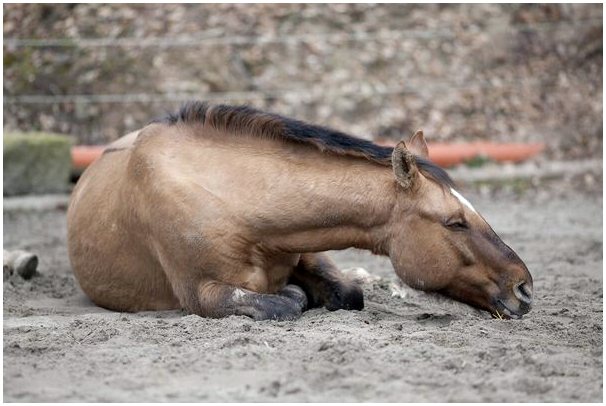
[{"x": 225, "y": 210}]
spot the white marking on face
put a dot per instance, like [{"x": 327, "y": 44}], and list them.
[{"x": 462, "y": 199}]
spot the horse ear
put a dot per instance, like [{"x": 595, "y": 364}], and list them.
[
  {"x": 404, "y": 165},
  {"x": 417, "y": 145}
]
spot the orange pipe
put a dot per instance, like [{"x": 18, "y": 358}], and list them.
[
  {"x": 441, "y": 153},
  {"x": 452, "y": 154},
  {"x": 446, "y": 155},
  {"x": 84, "y": 155}
]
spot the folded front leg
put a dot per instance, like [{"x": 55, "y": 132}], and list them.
[
  {"x": 325, "y": 284},
  {"x": 217, "y": 299}
]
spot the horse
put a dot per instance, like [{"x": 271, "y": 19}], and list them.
[{"x": 227, "y": 210}]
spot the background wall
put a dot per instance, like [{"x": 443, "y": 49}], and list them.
[{"x": 499, "y": 72}]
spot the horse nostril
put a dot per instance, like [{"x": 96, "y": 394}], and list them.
[{"x": 523, "y": 292}]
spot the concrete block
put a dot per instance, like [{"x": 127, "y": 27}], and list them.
[{"x": 36, "y": 163}]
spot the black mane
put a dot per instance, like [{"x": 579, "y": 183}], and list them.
[{"x": 245, "y": 119}]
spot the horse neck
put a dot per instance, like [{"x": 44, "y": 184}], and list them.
[{"x": 340, "y": 202}]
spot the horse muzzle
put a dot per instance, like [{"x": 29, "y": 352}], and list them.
[{"x": 518, "y": 305}]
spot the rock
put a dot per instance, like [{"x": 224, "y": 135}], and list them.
[{"x": 22, "y": 262}]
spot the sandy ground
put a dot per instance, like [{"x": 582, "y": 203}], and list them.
[{"x": 60, "y": 347}]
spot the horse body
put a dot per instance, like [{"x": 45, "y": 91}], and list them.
[
  {"x": 186, "y": 204},
  {"x": 108, "y": 243},
  {"x": 213, "y": 218}
]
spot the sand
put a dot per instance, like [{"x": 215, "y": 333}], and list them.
[{"x": 60, "y": 347}]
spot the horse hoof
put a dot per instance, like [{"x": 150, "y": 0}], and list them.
[
  {"x": 295, "y": 293},
  {"x": 279, "y": 307},
  {"x": 348, "y": 297}
]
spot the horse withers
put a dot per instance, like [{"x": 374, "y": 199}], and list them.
[{"x": 226, "y": 210}]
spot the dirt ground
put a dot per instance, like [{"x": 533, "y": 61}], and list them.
[{"x": 60, "y": 347}]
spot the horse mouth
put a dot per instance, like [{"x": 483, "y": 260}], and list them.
[{"x": 501, "y": 311}]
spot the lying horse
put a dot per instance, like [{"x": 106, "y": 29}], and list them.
[{"x": 226, "y": 210}]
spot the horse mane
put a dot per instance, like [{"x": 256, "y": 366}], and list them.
[{"x": 247, "y": 120}]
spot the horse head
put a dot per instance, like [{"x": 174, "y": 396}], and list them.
[{"x": 440, "y": 243}]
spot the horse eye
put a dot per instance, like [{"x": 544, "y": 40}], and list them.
[{"x": 457, "y": 225}]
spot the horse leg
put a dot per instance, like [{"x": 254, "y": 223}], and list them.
[
  {"x": 217, "y": 299},
  {"x": 325, "y": 284}
]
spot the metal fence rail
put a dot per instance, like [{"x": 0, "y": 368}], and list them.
[
  {"x": 364, "y": 90},
  {"x": 214, "y": 37}
]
